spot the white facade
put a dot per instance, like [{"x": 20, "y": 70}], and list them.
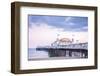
[{"x": 67, "y": 43}]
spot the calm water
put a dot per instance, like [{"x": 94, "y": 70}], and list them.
[{"x": 32, "y": 53}]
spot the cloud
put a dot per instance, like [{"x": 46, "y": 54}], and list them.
[
  {"x": 42, "y": 34},
  {"x": 67, "y": 19},
  {"x": 84, "y": 29}
]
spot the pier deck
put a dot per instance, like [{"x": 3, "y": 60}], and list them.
[{"x": 59, "y": 52}]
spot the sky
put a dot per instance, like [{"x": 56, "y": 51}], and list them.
[{"x": 43, "y": 30}]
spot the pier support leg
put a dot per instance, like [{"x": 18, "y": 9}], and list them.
[
  {"x": 57, "y": 53},
  {"x": 70, "y": 53}
]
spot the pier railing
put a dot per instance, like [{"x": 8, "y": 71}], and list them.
[{"x": 70, "y": 46}]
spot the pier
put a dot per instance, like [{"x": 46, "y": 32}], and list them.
[
  {"x": 73, "y": 50},
  {"x": 66, "y": 47}
]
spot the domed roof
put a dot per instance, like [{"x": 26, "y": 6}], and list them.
[{"x": 65, "y": 40}]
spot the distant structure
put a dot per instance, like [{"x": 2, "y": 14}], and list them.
[
  {"x": 66, "y": 47},
  {"x": 62, "y": 42},
  {"x": 66, "y": 42}
]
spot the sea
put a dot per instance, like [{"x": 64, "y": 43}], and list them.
[{"x": 34, "y": 54}]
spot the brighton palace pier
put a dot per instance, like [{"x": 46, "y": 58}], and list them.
[{"x": 66, "y": 47}]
